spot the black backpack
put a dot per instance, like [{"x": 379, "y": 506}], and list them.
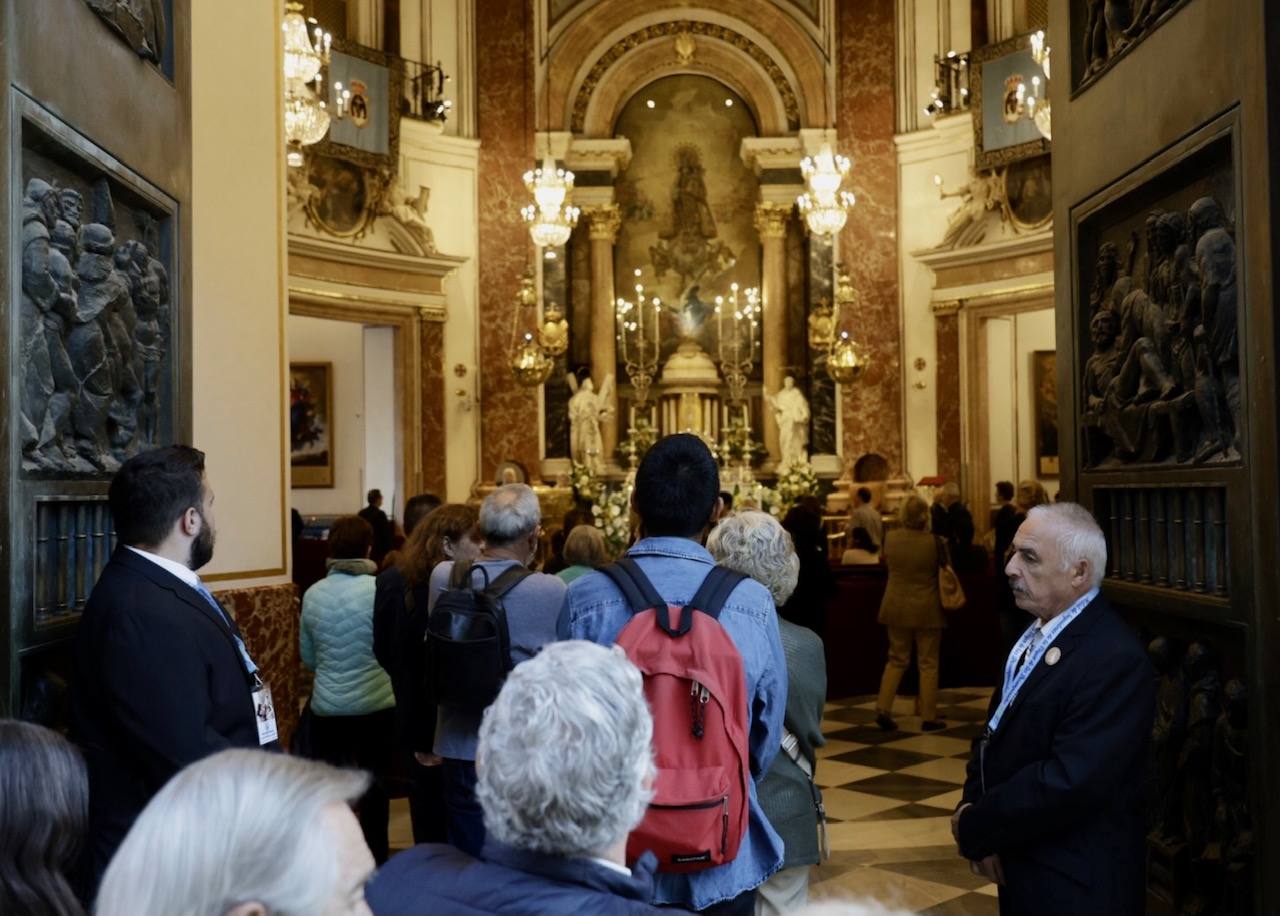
[{"x": 468, "y": 644}]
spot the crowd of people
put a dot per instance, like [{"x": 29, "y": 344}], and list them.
[{"x": 601, "y": 735}]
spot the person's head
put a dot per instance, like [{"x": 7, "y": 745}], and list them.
[
  {"x": 161, "y": 502},
  {"x": 1104, "y": 326},
  {"x": 677, "y": 488},
  {"x": 417, "y": 508},
  {"x": 510, "y": 518},
  {"x": 863, "y": 495},
  {"x": 375, "y": 498},
  {"x": 755, "y": 543},
  {"x": 860, "y": 539},
  {"x": 1004, "y": 491},
  {"x": 804, "y": 524},
  {"x": 1059, "y": 553},
  {"x": 726, "y": 503},
  {"x": 585, "y": 547},
  {"x": 350, "y": 538},
  {"x": 1031, "y": 493},
  {"x": 44, "y": 797},
  {"x": 245, "y": 833},
  {"x": 913, "y": 514},
  {"x": 949, "y": 493},
  {"x": 564, "y": 762},
  {"x": 449, "y": 533}
]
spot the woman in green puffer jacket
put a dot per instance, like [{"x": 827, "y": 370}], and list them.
[{"x": 352, "y": 706}]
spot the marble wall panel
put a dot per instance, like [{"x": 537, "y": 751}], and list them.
[
  {"x": 948, "y": 383},
  {"x": 268, "y": 617},
  {"x": 505, "y": 117},
  {"x": 433, "y": 395},
  {"x": 865, "y": 123}
]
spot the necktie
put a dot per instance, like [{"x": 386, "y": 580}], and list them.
[{"x": 213, "y": 602}]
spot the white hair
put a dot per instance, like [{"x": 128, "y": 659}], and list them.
[
  {"x": 1078, "y": 537},
  {"x": 564, "y": 763},
  {"x": 951, "y": 489},
  {"x": 509, "y": 513},
  {"x": 240, "y": 826},
  {"x": 755, "y": 543}
]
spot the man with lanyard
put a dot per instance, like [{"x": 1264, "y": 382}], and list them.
[
  {"x": 161, "y": 676},
  {"x": 1052, "y": 808}
]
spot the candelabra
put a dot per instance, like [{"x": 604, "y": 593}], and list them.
[
  {"x": 737, "y": 342},
  {"x": 638, "y": 343}
]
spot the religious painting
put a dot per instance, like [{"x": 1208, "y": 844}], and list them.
[
  {"x": 1028, "y": 193},
  {"x": 1003, "y": 76},
  {"x": 688, "y": 205},
  {"x": 1044, "y": 378},
  {"x": 365, "y": 125},
  {"x": 340, "y": 199},
  {"x": 311, "y": 440},
  {"x": 1158, "y": 314}
]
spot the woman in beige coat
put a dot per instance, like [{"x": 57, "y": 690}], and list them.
[{"x": 912, "y": 611}]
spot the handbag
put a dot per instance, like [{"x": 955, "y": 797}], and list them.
[{"x": 950, "y": 591}]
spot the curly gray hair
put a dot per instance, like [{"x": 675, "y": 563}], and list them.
[
  {"x": 564, "y": 763},
  {"x": 756, "y": 544}
]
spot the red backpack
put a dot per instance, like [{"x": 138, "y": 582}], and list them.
[{"x": 696, "y": 688}]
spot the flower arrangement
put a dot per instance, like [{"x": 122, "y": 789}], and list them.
[
  {"x": 795, "y": 481},
  {"x": 586, "y": 486},
  {"x": 612, "y": 513}
]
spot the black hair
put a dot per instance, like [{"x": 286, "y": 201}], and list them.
[
  {"x": 417, "y": 508},
  {"x": 1004, "y": 489},
  {"x": 374, "y": 494},
  {"x": 864, "y": 494},
  {"x": 152, "y": 490},
  {"x": 727, "y": 498},
  {"x": 677, "y": 484},
  {"x": 44, "y": 793}
]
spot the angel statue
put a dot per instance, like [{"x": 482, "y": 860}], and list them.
[
  {"x": 587, "y": 407},
  {"x": 411, "y": 213},
  {"x": 791, "y": 411}
]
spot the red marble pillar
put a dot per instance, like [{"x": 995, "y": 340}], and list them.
[
  {"x": 948, "y": 380},
  {"x": 868, "y": 244},
  {"x": 268, "y": 617},
  {"x": 505, "y": 118},
  {"x": 433, "y": 396}
]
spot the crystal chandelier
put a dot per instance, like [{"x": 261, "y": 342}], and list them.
[
  {"x": 551, "y": 216},
  {"x": 1038, "y": 102},
  {"x": 305, "y": 55},
  {"x": 825, "y": 207}
]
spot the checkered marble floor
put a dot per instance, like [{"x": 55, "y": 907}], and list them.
[{"x": 889, "y": 798}]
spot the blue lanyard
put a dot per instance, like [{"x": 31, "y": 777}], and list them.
[{"x": 1013, "y": 682}]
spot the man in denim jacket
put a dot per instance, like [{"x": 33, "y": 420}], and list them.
[{"x": 677, "y": 498}]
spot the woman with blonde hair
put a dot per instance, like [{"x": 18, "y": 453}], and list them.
[
  {"x": 912, "y": 612},
  {"x": 584, "y": 550}
]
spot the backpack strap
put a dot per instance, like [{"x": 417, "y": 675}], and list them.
[
  {"x": 507, "y": 580},
  {"x": 460, "y": 575},
  {"x": 715, "y": 591},
  {"x": 634, "y": 585}
]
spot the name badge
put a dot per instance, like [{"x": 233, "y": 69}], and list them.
[{"x": 264, "y": 711}]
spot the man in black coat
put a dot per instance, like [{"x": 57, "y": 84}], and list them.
[
  {"x": 161, "y": 675},
  {"x": 1052, "y": 809},
  {"x": 383, "y": 532}
]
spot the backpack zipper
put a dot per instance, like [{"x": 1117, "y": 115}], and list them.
[{"x": 698, "y": 697}]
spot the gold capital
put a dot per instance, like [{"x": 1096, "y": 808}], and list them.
[
  {"x": 604, "y": 222},
  {"x": 771, "y": 220}
]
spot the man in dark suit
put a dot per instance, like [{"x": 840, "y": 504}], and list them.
[
  {"x": 1052, "y": 809},
  {"x": 383, "y": 533},
  {"x": 161, "y": 675}
]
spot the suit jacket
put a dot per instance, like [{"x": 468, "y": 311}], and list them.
[
  {"x": 158, "y": 683},
  {"x": 1063, "y": 801}
]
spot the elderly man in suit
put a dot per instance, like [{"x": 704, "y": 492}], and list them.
[
  {"x": 1052, "y": 809},
  {"x": 161, "y": 675}
]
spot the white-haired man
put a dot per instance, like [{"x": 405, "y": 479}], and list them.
[
  {"x": 510, "y": 521},
  {"x": 245, "y": 833},
  {"x": 1052, "y": 808},
  {"x": 565, "y": 772}
]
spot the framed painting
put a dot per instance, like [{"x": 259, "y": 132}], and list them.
[
  {"x": 311, "y": 439},
  {"x": 368, "y": 133},
  {"x": 1000, "y": 79},
  {"x": 1028, "y": 192},
  {"x": 1044, "y": 376}
]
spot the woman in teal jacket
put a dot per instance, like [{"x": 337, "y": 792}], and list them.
[{"x": 352, "y": 706}]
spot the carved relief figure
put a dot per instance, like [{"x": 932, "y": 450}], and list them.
[
  {"x": 791, "y": 410},
  {"x": 587, "y": 408},
  {"x": 968, "y": 224},
  {"x": 139, "y": 22},
  {"x": 38, "y": 298}
]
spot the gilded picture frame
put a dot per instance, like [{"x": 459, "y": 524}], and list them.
[
  {"x": 995, "y": 71},
  {"x": 311, "y": 438}
]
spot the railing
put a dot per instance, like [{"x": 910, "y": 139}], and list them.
[
  {"x": 950, "y": 84},
  {"x": 424, "y": 91}
]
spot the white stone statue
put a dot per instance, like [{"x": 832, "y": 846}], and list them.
[
  {"x": 587, "y": 408},
  {"x": 791, "y": 411},
  {"x": 411, "y": 213}
]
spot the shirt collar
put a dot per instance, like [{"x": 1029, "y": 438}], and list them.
[
  {"x": 635, "y": 883},
  {"x": 1079, "y": 605},
  {"x": 185, "y": 573},
  {"x": 682, "y": 548}
]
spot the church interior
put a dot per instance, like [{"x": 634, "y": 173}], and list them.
[{"x": 438, "y": 246}]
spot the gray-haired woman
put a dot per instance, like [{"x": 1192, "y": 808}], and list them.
[{"x": 756, "y": 544}]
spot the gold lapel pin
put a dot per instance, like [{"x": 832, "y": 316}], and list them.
[{"x": 1053, "y": 656}]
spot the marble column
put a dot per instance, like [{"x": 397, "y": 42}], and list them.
[
  {"x": 771, "y": 224},
  {"x": 604, "y": 223}
]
